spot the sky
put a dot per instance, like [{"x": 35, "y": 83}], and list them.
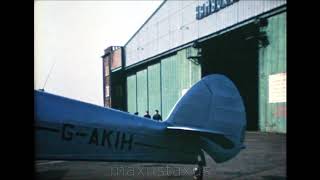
[{"x": 70, "y": 38}]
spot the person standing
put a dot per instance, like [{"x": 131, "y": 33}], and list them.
[
  {"x": 157, "y": 116},
  {"x": 147, "y": 115}
]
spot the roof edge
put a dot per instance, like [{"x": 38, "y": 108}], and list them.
[{"x": 145, "y": 22}]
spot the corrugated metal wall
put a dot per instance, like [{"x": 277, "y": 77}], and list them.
[
  {"x": 160, "y": 85},
  {"x": 175, "y": 24},
  {"x": 142, "y": 93},
  {"x": 273, "y": 60},
  {"x": 170, "y": 76},
  {"x": 132, "y": 93},
  {"x": 154, "y": 88}
]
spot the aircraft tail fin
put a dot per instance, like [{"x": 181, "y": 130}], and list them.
[{"x": 213, "y": 109}]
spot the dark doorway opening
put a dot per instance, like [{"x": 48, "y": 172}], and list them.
[
  {"x": 235, "y": 54},
  {"x": 118, "y": 91}
]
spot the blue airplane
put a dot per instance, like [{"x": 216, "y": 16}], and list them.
[{"x": 209, "y": 118}]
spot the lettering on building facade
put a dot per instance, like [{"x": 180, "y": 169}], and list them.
[{"x": 212, "y": 6}]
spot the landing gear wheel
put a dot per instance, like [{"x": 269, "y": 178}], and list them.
[{"x": 198, "y": 171}]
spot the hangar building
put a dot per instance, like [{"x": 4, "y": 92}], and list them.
[{"x": 183, "y": 41}]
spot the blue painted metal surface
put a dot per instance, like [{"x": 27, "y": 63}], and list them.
[{"x": 209, "y": 117}]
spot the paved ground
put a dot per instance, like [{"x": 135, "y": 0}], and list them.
[{"x": 264, "y": 158}]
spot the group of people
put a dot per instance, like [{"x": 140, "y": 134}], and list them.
[{"x": 156, "y": 116}]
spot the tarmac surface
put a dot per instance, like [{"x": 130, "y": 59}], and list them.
[{"x": 263, "y": 159}]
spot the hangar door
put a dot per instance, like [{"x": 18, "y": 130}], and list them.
[{"x": 235, "y": 54}]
